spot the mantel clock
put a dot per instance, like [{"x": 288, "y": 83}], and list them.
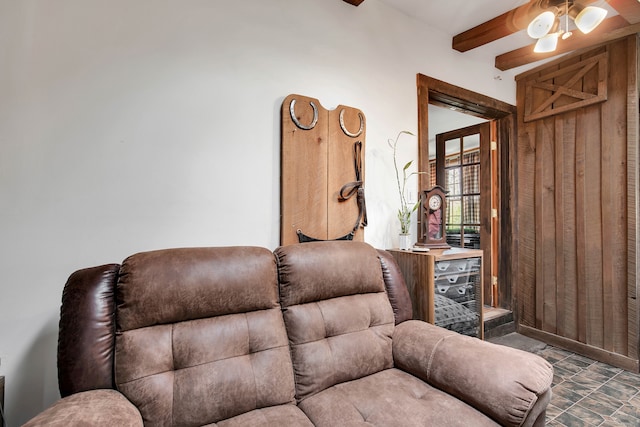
[{"x": 432, "y": 232}]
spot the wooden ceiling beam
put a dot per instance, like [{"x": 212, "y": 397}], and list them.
[
  {"x": 610, "y": 29},
  {"x": 628, "y": 9},
  {"x": 354, "y": 2},
  {"x": 502, "y": 26}
]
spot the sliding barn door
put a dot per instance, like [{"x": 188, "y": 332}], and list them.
[{"x": 576, "y": 212}]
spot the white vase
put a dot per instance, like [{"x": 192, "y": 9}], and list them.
[{"x": 404, "y": 242}]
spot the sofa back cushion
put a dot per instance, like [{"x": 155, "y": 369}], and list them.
[
  {"x": 336, "y": 311},
  {"x": 200, "y": 336}
]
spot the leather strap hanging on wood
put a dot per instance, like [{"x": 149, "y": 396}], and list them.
[
  {"x": 356, "y": 187},
  {"x": 346, "y": 192}
]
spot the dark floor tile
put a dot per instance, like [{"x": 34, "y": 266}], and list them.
[
  {"x": 580, "y": 387},
  {"x": 570, "y": 420},
  {"x": 618, "y": 390},
  {"x": 554, "y": 423},
  {"x": 596, "y": 376},
  {"x": 553, "y": 411},
  {"x": 601, "y": 403},
  {"x": 554, "y": 355},
  {"x": 581, "y": 360},
  {"x": 626, "y": 420},
  {"x": 631, "y": 411},
  {"x": 611, "y": 422},
  {"x": 584, "y": 379},
  {"x": 566, "y": 392},
  {"x": 587, "y": 415},
  {"x": 570, "y": 365},
  {"x": 635, "y": 401},
  {"x": 628, "y": 378},
  {"x": 605, "y": 369},
  {"x": 561, "y": 402},
  {"x": 562, "y": 372}
]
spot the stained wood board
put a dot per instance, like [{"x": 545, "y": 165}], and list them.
[{"x": 317, "y": 160}]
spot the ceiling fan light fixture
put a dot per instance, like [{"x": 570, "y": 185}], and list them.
[
  {"x": 541, "y": 25},
  {"x": 547, "y": 43},
  {"x": 589, "y": 18}
]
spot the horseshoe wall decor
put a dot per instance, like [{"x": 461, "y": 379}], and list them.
[
  {"x": 320, "y": 169},
  {"x": 292, "y": 107},
  {"x": 344, "y": 128}
]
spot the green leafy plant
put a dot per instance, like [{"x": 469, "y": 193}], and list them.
[{"x": 406, "y": 210}]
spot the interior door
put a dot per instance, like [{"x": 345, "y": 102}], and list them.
[{"x": 464, "y": 168}]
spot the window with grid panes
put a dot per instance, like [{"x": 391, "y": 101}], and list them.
[{"x": 462, "y": 182}]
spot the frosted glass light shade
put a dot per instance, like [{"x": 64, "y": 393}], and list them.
[
  {"x": 547, "y": 43},
  {"x": 589, "y": 18},
  {"x": 541, "y": 25}
]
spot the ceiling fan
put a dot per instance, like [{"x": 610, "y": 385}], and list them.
[
  {"x": 623, "y": 22},
  {"x": 546, "y": 26}
]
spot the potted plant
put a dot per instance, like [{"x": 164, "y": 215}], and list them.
[{"x": 406, "y": 210}]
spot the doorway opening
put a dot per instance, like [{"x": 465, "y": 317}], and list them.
[
  {"x": 460, "y": 171},
  {"x": 479, "y": 208}
]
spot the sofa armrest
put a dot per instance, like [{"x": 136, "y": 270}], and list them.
[
  {"x": 511, "y": 386},
  {"x": 89, "y": 408}
]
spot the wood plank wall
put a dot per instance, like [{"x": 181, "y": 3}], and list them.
[{"x": 576, "y": 212}]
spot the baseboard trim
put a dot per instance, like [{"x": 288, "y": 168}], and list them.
[{"x": 586, "y": 350}]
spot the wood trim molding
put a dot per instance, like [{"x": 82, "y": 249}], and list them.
[
  {"x": 438, "y": 92},
  {"x": 581, "y": 348},
  {"x": 628, "y": 9},
  {"x": 633, "y": 186}
]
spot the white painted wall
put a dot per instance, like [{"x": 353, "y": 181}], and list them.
[{"x": 135, "y": 125}]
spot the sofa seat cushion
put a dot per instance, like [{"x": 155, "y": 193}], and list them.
[
  {"x": 390, "y": 398},
  {"x": 275, "y": 416}
]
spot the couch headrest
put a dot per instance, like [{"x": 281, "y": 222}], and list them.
[
  {"x": 324, "y": 270},
  {"x": 174, "y": 285}
]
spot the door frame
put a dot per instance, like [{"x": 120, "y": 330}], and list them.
[{"x": 436, "y": 92}]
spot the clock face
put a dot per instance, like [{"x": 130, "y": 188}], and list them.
[{"x": 435, "y": 202}]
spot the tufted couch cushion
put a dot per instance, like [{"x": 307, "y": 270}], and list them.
[
  {"x": 200, "y": 337},
  {"x": 336, "y": 311}
]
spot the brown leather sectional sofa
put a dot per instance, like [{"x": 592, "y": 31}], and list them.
[{"x": 311, "y": 334}]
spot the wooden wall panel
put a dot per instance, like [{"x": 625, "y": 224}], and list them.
[
  {"x": 565, "y": 200},
  {"x": 577, "y": 209},
  {"x": 341, "y": 168},
  {"x": 317, "y": 161},
  {"x": 614, "y": 193},
  {"x": 303, "y": 203},
  {"x": 545, "y": 225},
  {"x": 633, "y": 123},
  {"x": 525, "y": 241}
]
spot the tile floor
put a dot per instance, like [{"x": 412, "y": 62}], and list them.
[{"x": 585, "y": 392}]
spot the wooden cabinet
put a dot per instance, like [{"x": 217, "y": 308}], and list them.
[{"x": 445, "y": 287}]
